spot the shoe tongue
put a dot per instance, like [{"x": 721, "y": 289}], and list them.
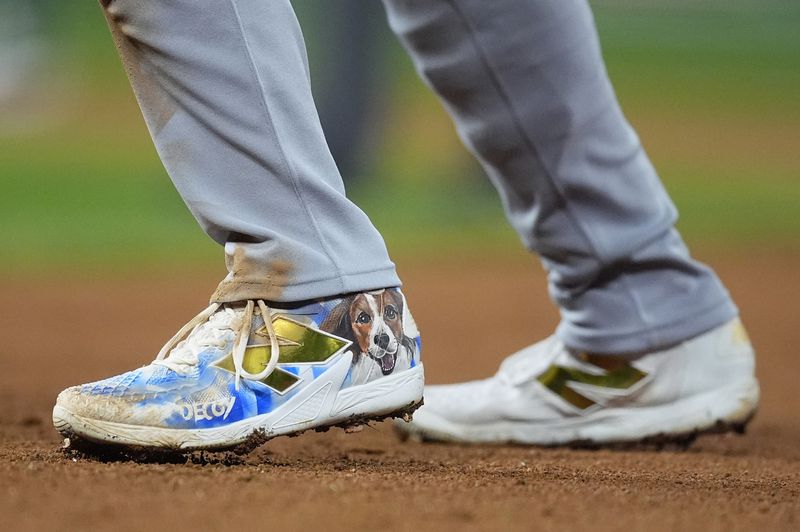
[
  {"x": 226, "y": 315},
  {"x": 195, "y": 342},
  {"x": 531, "y": 361}
]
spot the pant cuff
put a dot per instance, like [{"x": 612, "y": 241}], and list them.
[
  {"x": 614, "y": 342},
  {"x": 233, "y": 289}
]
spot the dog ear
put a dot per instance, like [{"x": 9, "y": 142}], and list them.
[
  {"x": 406, "y": 341},
  {"x": 338, "y": 321},
  {"x": 410, "y": 344}
]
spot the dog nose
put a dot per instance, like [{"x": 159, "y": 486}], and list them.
[{"x": 381, "y": 340}]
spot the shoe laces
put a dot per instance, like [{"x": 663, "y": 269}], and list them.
[{"x": 213, "y": 328}]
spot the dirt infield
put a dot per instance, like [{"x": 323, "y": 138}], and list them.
[{"x": 59, "y": 332}]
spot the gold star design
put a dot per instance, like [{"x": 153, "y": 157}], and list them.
[{"x": 298, "y": 343}]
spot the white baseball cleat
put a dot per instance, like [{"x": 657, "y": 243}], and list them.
[
  {"x": 549, "y": 395},
  {"x": 236, "y": 376}
]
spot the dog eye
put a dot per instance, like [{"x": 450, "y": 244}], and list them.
[
  {"x": 391, "y": 313},
  {"x": 363, "y": 318}
]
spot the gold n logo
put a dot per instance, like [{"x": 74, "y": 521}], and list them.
[
  {"x": 299, "y": 344},
  {"x": 617, "y": 373}
]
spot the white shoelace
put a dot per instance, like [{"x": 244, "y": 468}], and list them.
[{"x": 211, "y": 328}]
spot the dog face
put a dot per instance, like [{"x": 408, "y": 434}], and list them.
[
  {"x": 373, "y": 321},
  {"x": 377, "y": 322}
]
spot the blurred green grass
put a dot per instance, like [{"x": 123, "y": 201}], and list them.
[{"x": 713, "y": 88}]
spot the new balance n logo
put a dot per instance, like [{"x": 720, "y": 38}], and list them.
[{"x": 613, "y": 372}]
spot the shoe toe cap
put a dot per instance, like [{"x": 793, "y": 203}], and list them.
[
  {"x": 76, "y": 401},
  {"x": 79, "y": 401}
]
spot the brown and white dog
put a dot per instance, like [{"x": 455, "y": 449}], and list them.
[{"x": 373, "y": 321}]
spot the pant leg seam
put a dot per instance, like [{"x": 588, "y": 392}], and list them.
[
  {"x": 296, "y": 185},
  {"x": 516, "y": 120},
  {"x": 531, "y": 145}
]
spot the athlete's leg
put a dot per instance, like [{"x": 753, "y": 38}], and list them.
[
  {"x": 285, "y": 345},
  {"x": 524, "y": 81},
  {"x": 225, "y": 91},
  {"x": 647, "y": 346}
]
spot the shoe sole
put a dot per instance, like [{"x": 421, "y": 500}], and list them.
[
  {"x": 728, "y": 409},
  {"x": 393, "y": 396}
]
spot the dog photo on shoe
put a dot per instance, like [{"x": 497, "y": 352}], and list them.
[{"x": 381, "y": 330}]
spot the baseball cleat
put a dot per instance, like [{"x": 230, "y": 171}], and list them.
[
  {"x": 550, "y": 395},
  {"x": 236, "y": 376}
]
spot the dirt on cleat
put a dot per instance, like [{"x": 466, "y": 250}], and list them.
[{"x": 76, "y": 447}]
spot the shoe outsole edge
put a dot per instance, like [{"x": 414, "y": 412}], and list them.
[
  {"x": 725, "y": 410},
  {"x": 77, "y": 444},
  {"x": 394, "y": 396},
  {"x": 658, "y": 442}
]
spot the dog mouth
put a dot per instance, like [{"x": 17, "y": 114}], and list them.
[{"x": 387, "y": 361}]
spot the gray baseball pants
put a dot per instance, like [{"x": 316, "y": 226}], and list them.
[{"x": 225, "y": 91}]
